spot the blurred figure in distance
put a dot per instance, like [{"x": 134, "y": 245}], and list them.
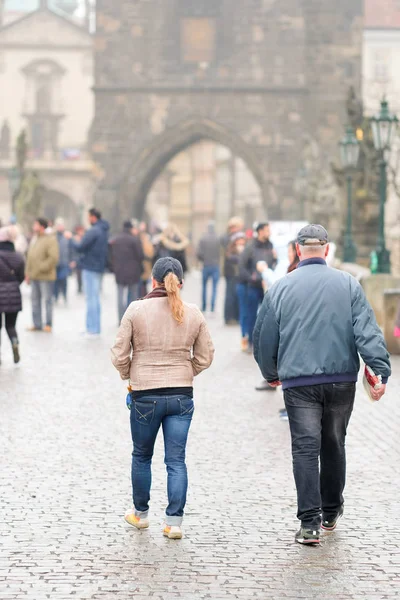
[
  {"x": 148, "y": 250},
  {"x": 231, "y": 305},
  {"x": 208, "y": 252},
  {"x": 172, "y": 243},
  {"x": 12, "y": 273},
  {"x": 65, "y": 257},
  {"x": 41, "y": 273},
  {"x": 126, "y": 259},
  {"x": 93, "y": 248}
]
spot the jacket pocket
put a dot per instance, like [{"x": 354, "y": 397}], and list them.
[
  {"x": 187, "y": 407},
  {"x": 144, "y": 411}
]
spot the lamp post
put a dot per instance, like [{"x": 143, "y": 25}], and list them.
[
  {"x": 14, "y": 180},
  {"x": 383, "y": 126},
  {"x": 349, "y": 153}
]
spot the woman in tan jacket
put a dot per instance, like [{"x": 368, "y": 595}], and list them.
[{"x": 161, "y": 345}]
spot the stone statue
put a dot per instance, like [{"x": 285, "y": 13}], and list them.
[
  {"x": 5, "y": 138},
  {"x": 21, "y": 151},
  {"x": 354, "y": 109},
  {"x": 29, "y": 200}
]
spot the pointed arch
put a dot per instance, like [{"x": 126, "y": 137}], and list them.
[{"x": 153, "y": 159}]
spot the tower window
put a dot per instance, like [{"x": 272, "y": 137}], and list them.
[{"x": 198, "y": 40}]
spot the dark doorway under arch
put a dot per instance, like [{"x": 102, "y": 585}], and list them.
[
  {"x": 55, "y": 204},
  {"x": 205, "y": 182},
  {"x": 152, "y": 160}
]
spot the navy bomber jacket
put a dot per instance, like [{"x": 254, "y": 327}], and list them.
[{"x": 312, "y": 326}]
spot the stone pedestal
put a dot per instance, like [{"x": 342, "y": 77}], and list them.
[
  {"x": 374, "y": 288},
  {"x": 391, "y": 300}
]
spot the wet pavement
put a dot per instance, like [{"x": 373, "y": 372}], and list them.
[{"x": 65, "y": 483}]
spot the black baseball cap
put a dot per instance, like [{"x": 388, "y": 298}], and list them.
[
  {"x": 312, "y": 235},
  {"x": 166, "y": 265}
]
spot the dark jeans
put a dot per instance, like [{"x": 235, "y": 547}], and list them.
[
  {"x": 60, "y": 287},
  {"x": 125, "y": 295},
  {"x": 241, "y": 292},
  {"x": 10, "y": 322},
  {"x": 255, "y": 297},
  {"x": 60, "y": 284},
  {"x": 142, "y": 288},
  {"x": 174, "y": 415},
  {"x": 213, "y": 274},
  {"x": 79, "y": 280},
  {"x": 231, "y": 310},
  {"x": 318, "y": 418}
]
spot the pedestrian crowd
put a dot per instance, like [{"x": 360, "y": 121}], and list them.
[
  {"x": 52, "y": 253},
  {"x": 308, "y": 334},
  {"x": 307, "y": 329}
]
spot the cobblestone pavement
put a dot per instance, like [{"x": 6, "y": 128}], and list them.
[{"x": 65, "y": 483}]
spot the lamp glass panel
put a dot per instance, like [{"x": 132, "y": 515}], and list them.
[
  {"x": 343, "y": 154},
  {"x": 385, "y": 127},
  {"x": 376, "y": 134},
  {"x": 354, "y": 152}
]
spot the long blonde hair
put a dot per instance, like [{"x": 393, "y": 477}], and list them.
[{"x": 172, "y": 284}]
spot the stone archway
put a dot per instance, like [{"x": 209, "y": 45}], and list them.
[
  {"x": 56, "y": 204},
  {"x": 152, "y": 160}
]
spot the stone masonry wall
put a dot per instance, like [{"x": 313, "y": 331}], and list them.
[{"x": 279, "y": 75}]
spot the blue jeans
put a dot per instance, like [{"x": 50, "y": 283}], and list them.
[
  {"x": 213, "y": 274},
  {"x": 255, "y": 297},
  {"x": 241, "y": 291},
  {"x": 318, "y": 419},
  {"x": 91, "y": 285},
  {"x": 126, "y": 295},
  {"x": 42, "y": 290},
  {"x": 148, "y": 414}
]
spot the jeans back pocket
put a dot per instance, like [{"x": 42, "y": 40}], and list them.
[
  {"x": 187, "y": 407},
  {"x": 144, "y": 411}
]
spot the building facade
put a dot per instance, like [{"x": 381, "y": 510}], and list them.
[
  {"x": 46, "y": 76},
  {"x": 381, "y": 78},
  {"x": 265, "y": 78}
]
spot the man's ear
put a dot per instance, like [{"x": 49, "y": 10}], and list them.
[{"x": 326, "y": 250}]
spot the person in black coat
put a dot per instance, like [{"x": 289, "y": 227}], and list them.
[
  {"x": 12, "y": 274},
  {"x": 250, "y": 279},
  {"x": 127, "y": 264}
]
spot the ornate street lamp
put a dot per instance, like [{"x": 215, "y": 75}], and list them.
[
  {"x": 349, "y": 154},
  {"x": 383, "y": 126},
  {"x": 14, "y": 180}
]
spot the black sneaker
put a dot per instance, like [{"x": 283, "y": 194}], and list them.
[
  {"x": 330, "y": 524},
  {"x": 307, "y": 536}
]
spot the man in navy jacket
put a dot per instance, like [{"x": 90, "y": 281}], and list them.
[
  {"x": 311, "y": 328},
  {"x": 93, "y": 249}
]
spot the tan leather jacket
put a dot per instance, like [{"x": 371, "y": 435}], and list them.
[{"x": 154, "y": 351}]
